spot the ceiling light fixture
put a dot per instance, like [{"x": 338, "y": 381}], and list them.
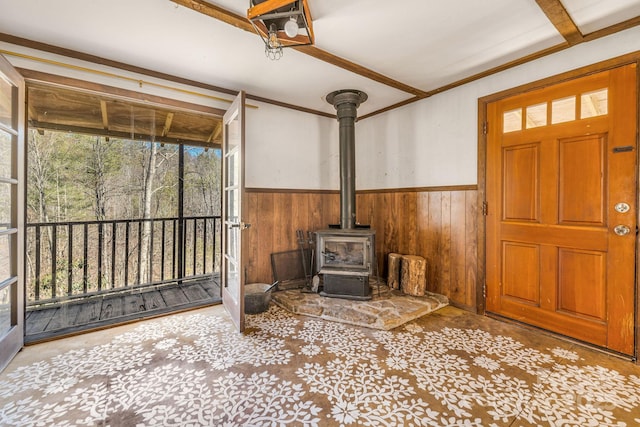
[
  {"x": 280, "y": 24},
  {"x": 273, "y": 47}
]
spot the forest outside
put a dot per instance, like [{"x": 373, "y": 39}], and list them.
[{"x": 104, "y": 213}]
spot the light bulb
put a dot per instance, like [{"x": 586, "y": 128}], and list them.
[
  {"x": 291, "y": 27},
  {"x": 272, "y": 37},
  {"x": 273, "y": 41}
]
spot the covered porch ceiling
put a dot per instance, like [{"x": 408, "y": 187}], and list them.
[{"x": 63, "y": 109}]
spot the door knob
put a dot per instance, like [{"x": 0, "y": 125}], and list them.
[
  {"x": 240, "y": 225},
  {"x": 622, "y": 207},
  {"x": 621, "y": 230}
]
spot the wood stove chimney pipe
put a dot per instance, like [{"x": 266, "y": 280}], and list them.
[{"x": 346, "y": 103}]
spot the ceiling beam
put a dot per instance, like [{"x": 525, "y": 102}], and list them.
[
  {"x": 33, "y": 115},
  {"x": 218, "y": 13},
  {"x": 242, "y": 22},
  {"x": 620, "y": 26},
  {"x": 167, "y": 124},
  {"x": 216, "y": 132},
  {"x": 105, "y": 116},
  {"x": 357, "y": 69},
  {"x": 560, "y": 18}
]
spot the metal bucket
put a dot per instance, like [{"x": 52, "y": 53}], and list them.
[{"x": 256, "y": 300}]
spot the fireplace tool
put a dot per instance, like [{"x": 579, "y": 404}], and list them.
[
  {"x": 314, "y": 281},
  {"x": 302, "y": 242},
  {"x": 307, "y": 247}
]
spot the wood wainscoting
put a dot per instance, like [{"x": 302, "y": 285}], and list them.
[{"x": 439, "y": 224}]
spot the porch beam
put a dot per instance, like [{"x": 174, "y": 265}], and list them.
[
  {"x": 216, "y": 132},
  {"x": 167, "y": 124},
  {"x": 105, "y": 116}
]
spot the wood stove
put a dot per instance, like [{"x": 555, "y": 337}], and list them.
[{"x": 345, "y": 255}]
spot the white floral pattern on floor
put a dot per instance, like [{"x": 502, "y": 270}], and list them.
[{"x": 193, "y": 369}]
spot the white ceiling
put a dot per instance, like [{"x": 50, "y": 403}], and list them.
[{"x": 425, "y": 44}]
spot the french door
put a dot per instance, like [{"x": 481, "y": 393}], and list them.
[
  {"x": 11, "y": 212},
  {"x": 562, "y": 208},
  {"x": 232, "y": 211}
]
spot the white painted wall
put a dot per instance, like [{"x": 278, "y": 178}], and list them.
[
  {"x": 290, "y": 149},
  {"x": 434, "y": 142}
]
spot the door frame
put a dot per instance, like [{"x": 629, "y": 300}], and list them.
[{"x": 632, "y": 58}]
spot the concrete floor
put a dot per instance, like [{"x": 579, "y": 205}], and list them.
[{"x": 449, "y": 367}]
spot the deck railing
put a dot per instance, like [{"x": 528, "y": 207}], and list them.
[{"x": 66, "y": 260}]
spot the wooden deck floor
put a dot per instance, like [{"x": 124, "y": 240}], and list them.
[{"x": 46, "y": 322}]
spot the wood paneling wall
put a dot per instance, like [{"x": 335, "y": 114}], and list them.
[{"x": 439, "y": 225}]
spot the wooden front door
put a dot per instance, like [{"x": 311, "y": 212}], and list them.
[{"x": 561, "y": 222}]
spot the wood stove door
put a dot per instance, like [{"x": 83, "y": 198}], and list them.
[{"x": 232, "y": 225}]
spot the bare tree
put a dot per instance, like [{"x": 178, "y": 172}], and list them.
[
  {"x": 153, "y": 163},
  {"x": 40, "y": 174},
  {"x": 97, "y": 170}
]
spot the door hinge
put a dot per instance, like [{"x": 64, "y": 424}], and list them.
[
  {"x": 485, "y": 208},
  {"x": 485, "y": 128}
]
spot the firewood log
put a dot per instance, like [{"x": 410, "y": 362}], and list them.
[
  {"x": 393, "y": 274},
  {"x": 413, "y": 278}
]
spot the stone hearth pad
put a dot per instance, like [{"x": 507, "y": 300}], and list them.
[{"x": 386, "y": 311}]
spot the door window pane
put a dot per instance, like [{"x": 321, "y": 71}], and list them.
[
  {"x": 232, "y": 170},
  {"x": 512, "y": 120},
  {"x": 233, "y": 134},
  {"x": 5, "y": 257},
  {"x": 233, "y": 242},
  {"x": 5, "y": 206},
  {"x": 233, "y": 214},
  {"x": 5, "y": 154},
  {"x": 6, "y": 102},
  {"x": 536, "y": 115},
  {"x": 5, "y": 309},
  {"x": 233, "y": 280},
  {"x": 594, "y": 103},
  {"x": 563, "y": 110}
]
